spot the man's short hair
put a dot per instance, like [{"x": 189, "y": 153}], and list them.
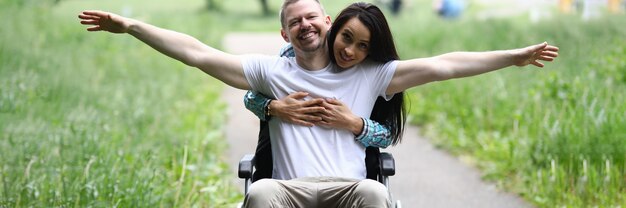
[{"x": 289, "y": 2}]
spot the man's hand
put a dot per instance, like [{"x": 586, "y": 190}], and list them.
[
  {"x": 532, "y": 54},
  {"x": 295, "y": 110},
  {"x": 104, "y": 21},
  {"x": 338, "y": 115}
]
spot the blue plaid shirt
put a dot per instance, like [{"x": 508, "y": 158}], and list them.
[{"x": 373, "y": 134}]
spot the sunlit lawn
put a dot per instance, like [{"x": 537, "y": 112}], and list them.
[{"x": 94, "y": 119}]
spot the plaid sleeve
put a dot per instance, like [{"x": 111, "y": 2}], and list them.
[
  {"x": 374, "y": 134},
  {"x": 256, "y": 103},
  {"x": 287, "y": 51}
]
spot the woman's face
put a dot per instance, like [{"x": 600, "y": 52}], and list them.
[{"x": 351, "y": 44}]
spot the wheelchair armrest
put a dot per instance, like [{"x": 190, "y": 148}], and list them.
[
  {"x": 246, "y": 164},
  {"x": 387, "y": 164}
]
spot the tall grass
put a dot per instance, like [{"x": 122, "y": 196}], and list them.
[
  {"x": 554, "y": 135},
  {"x": 102, "y": 120}
]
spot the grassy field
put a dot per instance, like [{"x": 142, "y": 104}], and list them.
[
  {"x": 101, "y": 120},
  {"x": 554, "y": 135},
  {"x": 98, "y": 120}
]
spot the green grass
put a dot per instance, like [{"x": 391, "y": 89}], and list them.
[
  {"x": 102, "y": 120},
  {"x": 94, "y": 119},
  {"x": 554, "y": 135}
]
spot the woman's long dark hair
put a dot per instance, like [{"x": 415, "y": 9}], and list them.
[{"x": 392, "y": 113}]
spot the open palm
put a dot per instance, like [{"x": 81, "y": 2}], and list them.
[
  {"x": 104, "y": 21},
  {"x": 534, "y": 54}
]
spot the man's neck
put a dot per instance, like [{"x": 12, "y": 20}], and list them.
[{"x": 313, "y": 61}]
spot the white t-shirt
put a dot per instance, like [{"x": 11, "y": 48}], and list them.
[{"x": 301, "y": 151}]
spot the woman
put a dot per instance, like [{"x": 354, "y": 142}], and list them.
[
  {"x": 387, "y": 120},
  {"x": 389, "y": 113},
  {"x": 361, "y": 31},
  {"x": 369, "y": 77}
]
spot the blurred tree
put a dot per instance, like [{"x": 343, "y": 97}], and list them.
[
  {"x": 213, "y": 5},
  {"x": 266, "y": 9},
  {"x": 395, "y": 6}
]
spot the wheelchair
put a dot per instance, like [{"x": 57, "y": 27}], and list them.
[{"x": 379, "y": 165}]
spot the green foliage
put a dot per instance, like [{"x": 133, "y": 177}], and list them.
[
  {"x": 102, "y": 120},
  {"x": 29, "y": 3},
  {"x": 214, "y": 5},
  {"x": 554, "y": 135}
]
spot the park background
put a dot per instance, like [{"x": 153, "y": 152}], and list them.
[{"x": 101, "y": 120}]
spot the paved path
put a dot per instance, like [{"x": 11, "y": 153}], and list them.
[{"x": 425, "y": 176}]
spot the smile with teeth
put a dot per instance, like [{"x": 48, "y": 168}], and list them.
[
  {"x": 345, "y": 57},
  {"x": 307, "y": 35}
]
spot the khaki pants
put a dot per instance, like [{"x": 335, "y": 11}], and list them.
[{"x": 323, "y": 192}]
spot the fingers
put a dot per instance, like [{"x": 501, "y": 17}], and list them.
[
  {"x": 312, "y": 118},
  {"x": 84, "y": 16},
  {"x": 538, "y": 46},
  {"x": 89, "y": 22},
  {"x": 334, "y": 101},
  {"x": 544, "y": 47},
  {"x": 536, "y": 63},
  {"x": 324, "y": 122},
  {"x": 90, "y": 18},
  {"x": 552, "y": 48},
  {"x": 543, "y": 52},
  {"x": 297, "y": 98},
  {"x": 94, "y": 28},
  {"x": 327, "y": 105},
  {"x": 542, "y": 58},
  {"x": 312, "y": 110},
  {"x": 298, "y": 95},
  {"x": 549, "y": 53},
  {"x": 313, "y": 102},
  {"x": 545, "y": 58},
  {"x": 94, "y": 13}
]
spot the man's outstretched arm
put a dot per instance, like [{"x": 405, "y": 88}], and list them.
[{"x": 182, "y": 47}]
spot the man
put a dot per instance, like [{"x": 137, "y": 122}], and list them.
[
  {"x": 326, "y": 167},
  {"x": 305, "y": 26}
]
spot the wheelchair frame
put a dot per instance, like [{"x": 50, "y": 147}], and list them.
[{"x": 386, "y": 168}]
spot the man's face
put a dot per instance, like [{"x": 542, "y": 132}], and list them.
[{"x": 305, "y": 26}]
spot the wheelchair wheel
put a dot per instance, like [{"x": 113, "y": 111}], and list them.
[{"x": 398, "y": 204}]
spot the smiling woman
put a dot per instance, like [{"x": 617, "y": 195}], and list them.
[
  {"x": 102, "y": 140},
  {"x": 352, "y": 46}
]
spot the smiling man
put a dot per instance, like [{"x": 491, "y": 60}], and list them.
[{"x": 317, "y": 166}]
